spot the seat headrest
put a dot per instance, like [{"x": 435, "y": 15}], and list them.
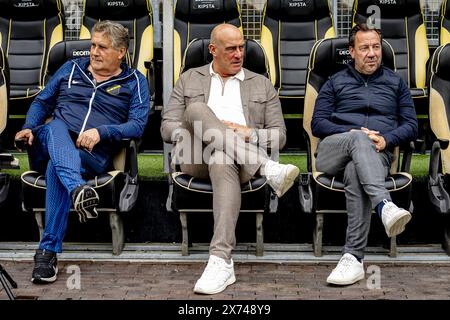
[
  {"x": 30, "y": 10},
  {"x": 331, "y": 55},
  {"x": 197, "y": 55},
  {"x": 65, "y": 50},
  {"x": 441, "y": 62},
  {"x": 389, "y": 8},
  {"x": 292, "y": 10},
  {"x": 206, "y": 12},
  {"x": 117, "y": 9}
]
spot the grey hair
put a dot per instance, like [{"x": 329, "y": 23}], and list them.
[{"x": 116, "y": 32}]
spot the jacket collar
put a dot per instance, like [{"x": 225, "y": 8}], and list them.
[
  {"x": 358, "y": 75},
  {"x": 245, "y": 87},
  {"x": 84, "y": 64}
]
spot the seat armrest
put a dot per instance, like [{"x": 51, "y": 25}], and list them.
[
  {"x": 435, "y": 156},
  {"x": 408, "y": 149},
  {"x": 131, "y": 158},
  {"x": 21, "y": 144},
  {"x": 151, "y": 79}
]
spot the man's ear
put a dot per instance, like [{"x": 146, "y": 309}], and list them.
[
  {"x": 352, "y": 51},
  {"x": 122, "y": 53},
  {"x": 212, "y": 49}
]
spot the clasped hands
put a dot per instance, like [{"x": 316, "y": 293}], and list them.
[{"x": 375, "y": 136}]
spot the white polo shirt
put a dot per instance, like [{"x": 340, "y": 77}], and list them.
[{"x": 225, "y": 97}]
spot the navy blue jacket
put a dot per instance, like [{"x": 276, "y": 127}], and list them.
[
  {"x": 118, "y": 108},
  {"x": 381, "y": 102}
]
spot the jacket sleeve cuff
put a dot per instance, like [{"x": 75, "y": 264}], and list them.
[
  {"x": 103, "y": 132},
  {"x": 27, "y": 126}
]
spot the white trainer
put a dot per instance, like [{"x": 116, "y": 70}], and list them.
[
  {"x": 280, "y": 176},
  {"x": 217, "y": 276},
  {"x": 394, "y": 218},
  {"x": 348, "y": 271}
]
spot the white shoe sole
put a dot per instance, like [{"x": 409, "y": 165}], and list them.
[
  {"x": 220, "y": 289},
  {"x": 46, "y": 280},
  {"x": 398, "y": 226},
  {"x": 341, "y": 282},
  {"x": 288, "y": 182}
]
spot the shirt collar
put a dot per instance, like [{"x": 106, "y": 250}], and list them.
[{"x": 240, "y": 75}]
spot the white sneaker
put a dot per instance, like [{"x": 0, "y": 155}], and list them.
[
  {"x": 348, "y": 271},
  {"x": 280, "y": 176},
  {"x": 394, "y": 218},
  {"x": 217, "y": 276}
]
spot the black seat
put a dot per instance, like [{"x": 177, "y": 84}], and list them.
[
  {"x": 402, "y": 25},
  {"x": 316, "y": 188},
  {"x": 7, "y": 160},
  {"x": 29, "y": 29},
  {"x": 439, "y": 177},
  {"x": 193, "y": 195},
  {"x": 444, "y": 23},
  {"x": 194, "y": 19},
  {"x": 136, "y": 16},
  {"x": 117, "y": 189}
]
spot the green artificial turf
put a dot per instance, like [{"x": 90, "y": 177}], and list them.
[{"x": 151, "y": 165}]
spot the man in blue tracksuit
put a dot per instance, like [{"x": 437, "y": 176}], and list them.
[
  {"x": 361, "y": 114},
  {"x": 95, "y": 102}
]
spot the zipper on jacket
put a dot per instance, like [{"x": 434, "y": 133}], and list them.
[
  {"x": 90, "y": 107},
  {"x": 368, "y": 103},
  {"x": 94, "y": 84}
]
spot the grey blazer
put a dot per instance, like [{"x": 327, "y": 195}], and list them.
[{"x": 260, "y": 103}]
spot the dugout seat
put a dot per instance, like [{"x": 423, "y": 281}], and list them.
[
  {"x": 28, "y": 31},
  {"x": 195, "y": 19},
  {"x": 444, "y": 23},
  {"x": 193, "y": 195},
  {"x": 117, "y": 189},
  {"x": 439, "y": 177},
  {"x": 7, "y": 160},
  {"x": 288, "y": 32},
  {"x": 323, "y": 194},
  {"x": 402, "y": 25}
]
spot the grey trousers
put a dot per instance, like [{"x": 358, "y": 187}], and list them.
[
  {"x": 227, "y": 168},
  {"x": 353, "y": 156}
]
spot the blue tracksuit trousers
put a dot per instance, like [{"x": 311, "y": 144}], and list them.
[{"x": 66, "y": 166}]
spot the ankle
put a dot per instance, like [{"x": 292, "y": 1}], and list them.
[{"x": 379, "y": 207}]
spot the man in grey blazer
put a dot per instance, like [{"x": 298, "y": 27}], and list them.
[{"x": 223, "y": 119}]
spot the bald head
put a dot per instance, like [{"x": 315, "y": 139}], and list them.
[
  {"x": 227, "y": 48},
  {"x": 224, "y": 31}
]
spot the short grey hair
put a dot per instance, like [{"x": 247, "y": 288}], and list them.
[{"x": 116, "y": 32}]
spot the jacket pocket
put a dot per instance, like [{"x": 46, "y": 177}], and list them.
[
  {"x": 193, "y": 95},
  {"x": 257, "y": 108}
]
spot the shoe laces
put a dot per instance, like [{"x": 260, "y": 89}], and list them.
[
  {"x": 44, "y": 259},
  {"x": 214, "y": 269},
  {"x": 344, "y": 264},
  {"x": 389, "y": 207}
]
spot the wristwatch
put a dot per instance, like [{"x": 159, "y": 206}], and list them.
[{"x": 254, "y": 137}]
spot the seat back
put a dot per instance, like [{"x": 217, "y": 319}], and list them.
[
  {"x": 4, "y": 91},
  {"x": 327, "y": 57},
  {"x": 197, "y": 54},
  {"x": 440, "y": 100},
  {"x": 289, "y": 30},
  {"x": 136, "y": 15},
  {"x": 196, "y": 19},
  {"x": 402, "y": 25},
  {"x": 29, "y": 29},
  {"x": 444, "y": 23}
]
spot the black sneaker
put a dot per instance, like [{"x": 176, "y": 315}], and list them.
[
  {"x": 85, "y": 199},
  {"x": 45, "y": 267}
]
